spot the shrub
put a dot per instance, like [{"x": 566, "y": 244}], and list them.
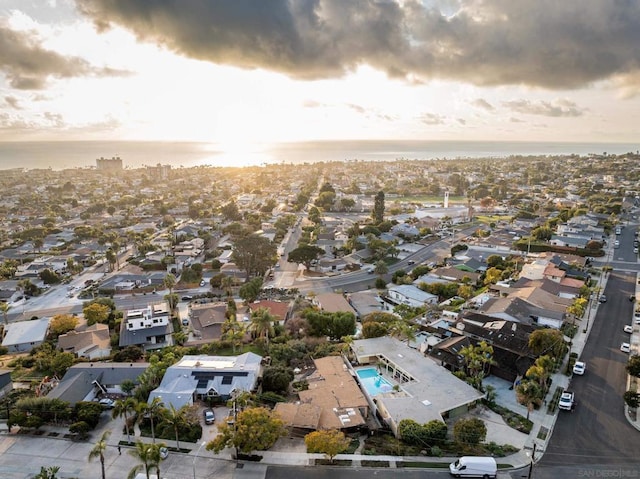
[{"x": 80, "y": 428}]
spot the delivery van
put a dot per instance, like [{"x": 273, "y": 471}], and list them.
[{"x": 474, "y": 466}]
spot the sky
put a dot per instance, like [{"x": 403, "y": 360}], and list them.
[{"x": 243, "y": 72}]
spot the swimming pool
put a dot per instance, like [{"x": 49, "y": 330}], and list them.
[{"x": 373, "y": 382}]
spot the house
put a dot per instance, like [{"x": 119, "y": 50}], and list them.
[
  {"x": 280, "y": 310},
  {"x": 333, "y": 303},
  {"x": 23, "y": 336},
  {"x": 85, "y": 381},
  {"x": 409, "y": 295},
  {"x": 207, "y": 320},
  {"x": 200, "y": 377},
  {"x": 92, "y": 342},
  {"x": 332, "y": 401},
  {"x": 400, "y": 383},
  {"x": 148, "y": 327}
]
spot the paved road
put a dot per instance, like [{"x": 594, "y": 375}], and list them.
[{"x": 597, "y": 433}]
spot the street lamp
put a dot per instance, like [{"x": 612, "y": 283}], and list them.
[
  {"x": 533, "y": 453},
  {"x": 196, "y": 457}
]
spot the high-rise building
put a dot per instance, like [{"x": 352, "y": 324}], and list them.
[{"x": 105, "y": 164}]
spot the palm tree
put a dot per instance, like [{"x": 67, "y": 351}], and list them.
[
  {"x": 111, "y": 258},
  {"x": 233, "y": 331},
  {"x": 149, "y": 456},
  {"x": 175, "y": 418},
  {"x": 403, "y": 329},
  {"x": 47, "y": 473},
  {"x": 124, "y": 408},
  {"x": 169, "y": 282},
  {"x": 4, "y": 309},
  {"x": 99, "y": 449},
  {"x": 262, "y": 324},
  {"x": 152, "y": 410},
  {"x": 227, "y": 285}
]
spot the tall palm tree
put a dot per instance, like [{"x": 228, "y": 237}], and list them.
[
  {"x": 169, "y": 282},
  {"x": 152, "y": 410},
  {"x": 99, "y": 449},
  {"x": 123, "y": 408},
  {"x": 233, "y": 331},
  {"x": 262, "y": 324},
  {"x": 227, "y": 285},
  {"x": 4, "y": 309},
  {"x": 175, "y": 418},
  {"x": 149, "y": 456}
]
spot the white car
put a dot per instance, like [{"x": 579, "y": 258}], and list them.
[
  {"x": 164, "y": 453},
  {"x": 625, "y": 348},
  {"x": 107, "y": 402},
  {"x": 579, "y": 368},
  {"x": 628, "y": 328},
  {"x": 566, "y": 401}
]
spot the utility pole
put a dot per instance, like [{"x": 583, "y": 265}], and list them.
[{"x": 533, "y": 454}]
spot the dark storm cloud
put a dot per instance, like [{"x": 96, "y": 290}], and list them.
[
  {"x": 549, "y": 43},
  {"x": 28, "y": 65},
  {"x": 559, "y": 108}
]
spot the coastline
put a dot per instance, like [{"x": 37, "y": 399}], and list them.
[{"x": 60, "y": 155}]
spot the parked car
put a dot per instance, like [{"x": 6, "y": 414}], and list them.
[
  {"x": 603, "y": 298},
  {"x": 107, "y": 402},
  {"x": 185, "y": 322},
  {"x": 187, "y": 298},
  {"x": 164, "y": 453},
  {"x": 625, "y": 347},
  {"x": 202, "y": 283},
  {"x": 209, "y": 417},
  {"x": 567, "y": 401},
  {"x": 579, "y": 368},
  {"x": 628, "y": 328}
]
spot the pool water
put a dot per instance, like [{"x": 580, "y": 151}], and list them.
[{"x": 373, "y": 382}]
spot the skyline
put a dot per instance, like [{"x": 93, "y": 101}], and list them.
[{"x": 241, "y": 74}]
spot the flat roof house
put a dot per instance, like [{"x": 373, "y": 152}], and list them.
[
  {"x": 149, "y": 327},
  {"x": 23, "y": 336},
  {"x": 201, "y": 377},
  {"x": 416, "y": 387}
]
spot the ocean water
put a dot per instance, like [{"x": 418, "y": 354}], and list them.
[{"x": 60, "y": 155}]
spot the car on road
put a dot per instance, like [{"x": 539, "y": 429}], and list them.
[
  {"x": 410, "y": 262},
  {"x": 185, "y": 321},
  {"x": 625, "y": 347},
  {"x": 164, "y": 452},
  {"x": 567, "y": 401},
  {"x": 579, "y": 367},
  {"x": 602, "y": 298},
  {"x": 209, "y": 417},
  {"x": 202, "y": 283},
  {"x": 187, "y": 298},
  {"x": 628, "y": 328}
]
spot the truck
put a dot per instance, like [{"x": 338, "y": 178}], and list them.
[{"x": 474, "y": 466}]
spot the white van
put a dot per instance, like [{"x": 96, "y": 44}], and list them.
[{"x": 474, "y": 466}]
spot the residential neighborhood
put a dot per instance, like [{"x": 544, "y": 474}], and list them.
[{"x": 382, "y": 302}]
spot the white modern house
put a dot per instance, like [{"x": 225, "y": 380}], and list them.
[{"x": 23, "y": 336}]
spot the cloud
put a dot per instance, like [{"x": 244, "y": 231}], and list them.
[
  {"x": 13, "y": 102},
  {"x": 28, "y": 65},
  {"x": 431, "y": 119},
  {"x": 483, "y": 104},
  {"x": 545, "y": 43},
  {"x": 558, "y": 108}
]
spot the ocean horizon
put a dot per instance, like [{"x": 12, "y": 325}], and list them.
[{"x": 60, "y": 155}]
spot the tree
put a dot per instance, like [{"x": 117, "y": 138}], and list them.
[
  {"x": 305, "y": 255},
  {"x": 492, "y": 276},
  {"x": 47, "y": 472},
  {"x": 149, "y": 456},
  {"x": 153, "y": 410},
  {"x": 127, "y": 386},
  {"x": 169, "y": 282},
  {"x": 478, "y": 358},
  {"x": 469, "y": 431},
  {"x": 254, "y": 254},
  {"x": 547, "y": 341},
  {"x": 633, "y": 366},
  {"x": 330, "y": 442},
  {"x": 96, "y": 313},
  {"x": 277, "y": 379},
  {"x": 381, "y": 268},
  {"x": 529, "y": 394},
  {"x": 111, "y": 258},
  {"x": 262, "y": 324},
  {"x": 176, "y": 418},
  {"x": 250, "y": 290},
  {"x": 255, "y": 429},
  {"x": 62, "y": 323},
  {"x": 233, "y": 331},
  {"x": 378, "y": 208},
  {"x": 125, "y": 407},
  {"x": 632, "y": 399},
  {"x": 4, "y": 309},
  {"x": 99, "y": 449}
]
